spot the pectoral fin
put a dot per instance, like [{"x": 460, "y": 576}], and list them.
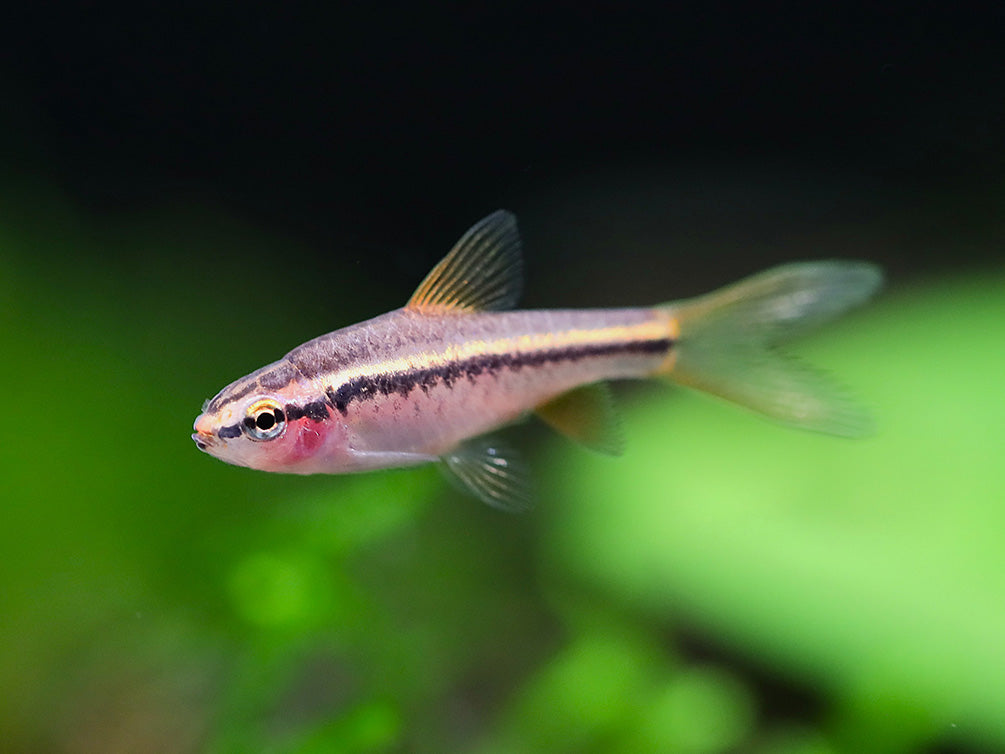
[
  {"x": 586, "y": 415},
  {"x": 491, "y": 471}
]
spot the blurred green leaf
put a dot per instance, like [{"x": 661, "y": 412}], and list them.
[
  {"x": 700, "y": 710},
  {"x": 582, "y": 696},
  {"x": 370, "y": 727}
]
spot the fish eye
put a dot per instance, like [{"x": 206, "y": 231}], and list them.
[{"x": 264, "y": 420}]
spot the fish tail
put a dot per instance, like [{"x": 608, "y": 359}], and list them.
[{"x": 728, "y": 342}]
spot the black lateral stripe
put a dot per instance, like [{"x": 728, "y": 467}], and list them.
[
  {"x": 315, "y": 411},
  {"x": 234, "y": 430},
  {"x": 369, "y": 386}
]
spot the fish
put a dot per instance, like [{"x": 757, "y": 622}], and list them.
[{"x": 433, "y": 380}]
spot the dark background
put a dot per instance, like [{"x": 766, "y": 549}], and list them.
[{"x": 388, "y": 125}]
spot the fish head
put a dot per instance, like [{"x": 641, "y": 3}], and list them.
[{"x": 261, "y": 423}]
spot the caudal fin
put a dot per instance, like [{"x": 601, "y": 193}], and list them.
[{"x": 728, "y": 343}]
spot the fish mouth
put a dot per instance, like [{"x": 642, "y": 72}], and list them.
[{"x": 202, "y": 440}]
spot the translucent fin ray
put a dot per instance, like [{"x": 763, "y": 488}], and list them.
[
  {"x": 780, "y": 303},
  {"x": 728, "y": 338},
  {"x": 484, "y": 270},
  {"x": 588, "y": 416},
  {"x": 491, "y": 471}
]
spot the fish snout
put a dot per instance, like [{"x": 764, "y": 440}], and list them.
[{"x": 203, "y": 436}]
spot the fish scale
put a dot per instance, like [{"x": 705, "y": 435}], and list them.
[{"x": 474, "y": 372}]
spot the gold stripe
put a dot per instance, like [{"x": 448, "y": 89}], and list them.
[
  {"x": 662, "y": 326},
  {"x": 673, "y": 327}
]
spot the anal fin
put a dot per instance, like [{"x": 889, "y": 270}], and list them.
[{"x": 586, "y": 415}]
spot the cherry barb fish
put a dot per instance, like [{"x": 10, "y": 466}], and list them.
[{"x": 430, "y": 381}]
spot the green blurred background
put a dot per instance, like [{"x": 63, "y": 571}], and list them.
[{"x": 184, "y": 197}]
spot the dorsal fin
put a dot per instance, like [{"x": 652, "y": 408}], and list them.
[
  {"x": 586, "y": 415},
  {"x": 483, "y": 271}
]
